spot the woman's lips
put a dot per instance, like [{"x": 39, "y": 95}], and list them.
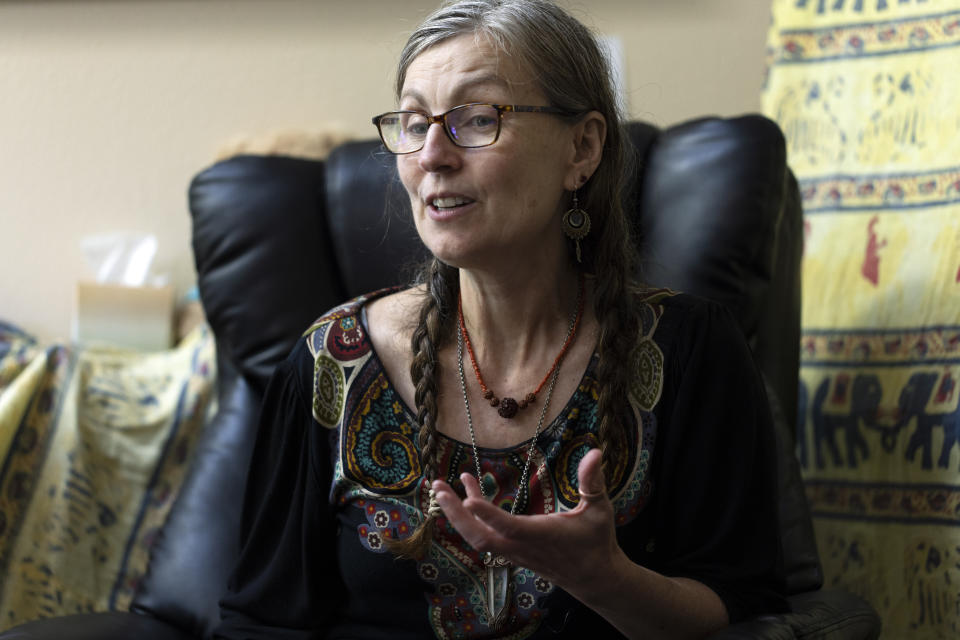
[
  {"x": 448, "y": 207},
  {"x": 449, "y": 201}
]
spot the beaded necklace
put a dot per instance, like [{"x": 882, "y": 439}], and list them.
[{"x": 508, "y": 407}]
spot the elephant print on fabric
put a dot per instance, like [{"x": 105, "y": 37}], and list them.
[
  {"x": 922, "y": 390},
  {"x": 839, "y": 406},
  {"x": 846, "y": 408}
]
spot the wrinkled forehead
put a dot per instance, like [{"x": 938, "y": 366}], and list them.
[{"x": 465, "y": 62}]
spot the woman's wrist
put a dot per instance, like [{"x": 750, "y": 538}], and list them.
[
  {"x": 605, "y": 579},
  {"x": 645, "y": 604}
]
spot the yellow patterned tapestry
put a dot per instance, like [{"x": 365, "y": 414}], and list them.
[
  {"x": 868, "y": 95},
  {"x": 94, "y": 444}
]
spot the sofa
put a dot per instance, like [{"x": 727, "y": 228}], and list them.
[{"x": 278, "y": 240}]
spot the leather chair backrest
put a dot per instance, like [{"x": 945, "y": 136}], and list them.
[
  {"x": 716, "y": 221},
  {"x": 277, "y": 241},
  {"x": 719, "y": 216},
  {"x": 264, "y": 256},
  {"x": 368, "y": 213}
]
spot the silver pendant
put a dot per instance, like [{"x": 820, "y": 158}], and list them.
[{"x": 499, "y": 588}]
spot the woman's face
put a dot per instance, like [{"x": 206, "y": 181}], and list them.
[{"x": 489, "y": 206}]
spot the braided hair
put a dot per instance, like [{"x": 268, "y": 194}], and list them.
[{"x": 433, "y": 325}]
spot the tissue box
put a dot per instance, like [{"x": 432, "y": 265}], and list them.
[{"x": 133, "y": 317}]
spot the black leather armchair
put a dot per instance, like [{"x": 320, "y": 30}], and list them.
[{"x": 278, "y": 241}]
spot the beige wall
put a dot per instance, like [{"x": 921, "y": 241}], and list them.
[{"x": 108, "y": 108}]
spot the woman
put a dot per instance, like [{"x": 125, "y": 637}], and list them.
[{"x": 526, "y": 443}]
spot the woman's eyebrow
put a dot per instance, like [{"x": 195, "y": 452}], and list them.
[
  {"x": 485, "y": 79},
  {"x": 465, "y": 87},
  {"x": 412, "y": 94},
  {"x": 463, "y": 91}
]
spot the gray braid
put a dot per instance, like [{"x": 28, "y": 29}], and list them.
[{"x": 432, "y": 328}]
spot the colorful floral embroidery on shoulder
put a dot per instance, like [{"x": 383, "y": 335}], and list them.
[
  {"x": 349, "y": 308},
  {"x": 647, "y": 358},
  {"x": 339, "y": 346},
  {"x": 655, "y": 295}
]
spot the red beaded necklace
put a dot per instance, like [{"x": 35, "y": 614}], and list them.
[{"x": 508, "y": 407}]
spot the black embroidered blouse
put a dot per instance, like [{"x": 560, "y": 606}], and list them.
[{"x": 335, "y": 474}]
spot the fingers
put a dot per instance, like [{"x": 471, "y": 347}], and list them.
[
  {"x": 533, "y": 541},
  {"x": 463, "y": 515},
  {"x": 592, "y": 487},
  {"x": 471, "y": 486}
]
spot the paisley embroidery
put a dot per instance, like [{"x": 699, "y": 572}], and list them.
[
  {"x": 346, "y": 339},
  {"x": 315, "y": 338},
  {"x": 647, "y": 358},
  {"x": 328, "y": 392},
  {"x": 577, "y": 438},
  {"x": 647, "y": 383},
  {"x": 378, "y": 450}
]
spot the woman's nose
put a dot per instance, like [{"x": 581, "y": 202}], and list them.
[{"x": 438, "y": 152}]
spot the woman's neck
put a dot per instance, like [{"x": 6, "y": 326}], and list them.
[{"x": 514, "y": 321}]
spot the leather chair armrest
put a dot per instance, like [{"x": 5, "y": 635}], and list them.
[
  {"x": 115, "y": 625},
  {"x": 762, "y": 628},
  {"x": 826, "y": 614},
  {"x": 832, "y": 614}
]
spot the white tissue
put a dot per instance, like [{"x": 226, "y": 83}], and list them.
[{"x": 122, "y": 257}]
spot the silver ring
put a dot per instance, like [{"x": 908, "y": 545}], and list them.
[{"x": 592, "y": 497}]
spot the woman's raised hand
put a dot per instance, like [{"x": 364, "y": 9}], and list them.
[{"x": 573, "y": 549}]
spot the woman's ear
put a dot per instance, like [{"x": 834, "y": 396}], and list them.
[{"x": 589, "y": 134}]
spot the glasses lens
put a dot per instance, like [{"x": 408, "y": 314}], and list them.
[
  {"x": 403, "y": 131},
  {"x": 475, "y": 125}
]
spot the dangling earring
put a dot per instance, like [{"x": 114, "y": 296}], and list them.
[{"x": 576, "y": 224}]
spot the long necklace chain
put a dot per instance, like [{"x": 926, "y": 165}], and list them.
[
  {"x": 508, "y": 407},
  {"x": 496, "y": 564}
]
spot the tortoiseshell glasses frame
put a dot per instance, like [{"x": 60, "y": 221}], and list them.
[{"x": 472, "y": 125}]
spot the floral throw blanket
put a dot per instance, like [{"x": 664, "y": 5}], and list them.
[{"x": 94, "y": 444}]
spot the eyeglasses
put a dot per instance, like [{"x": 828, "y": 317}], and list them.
[{"x": 468, "y": 125}]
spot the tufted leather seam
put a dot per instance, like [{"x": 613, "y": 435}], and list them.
[{"x": 810, "y": 632}]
